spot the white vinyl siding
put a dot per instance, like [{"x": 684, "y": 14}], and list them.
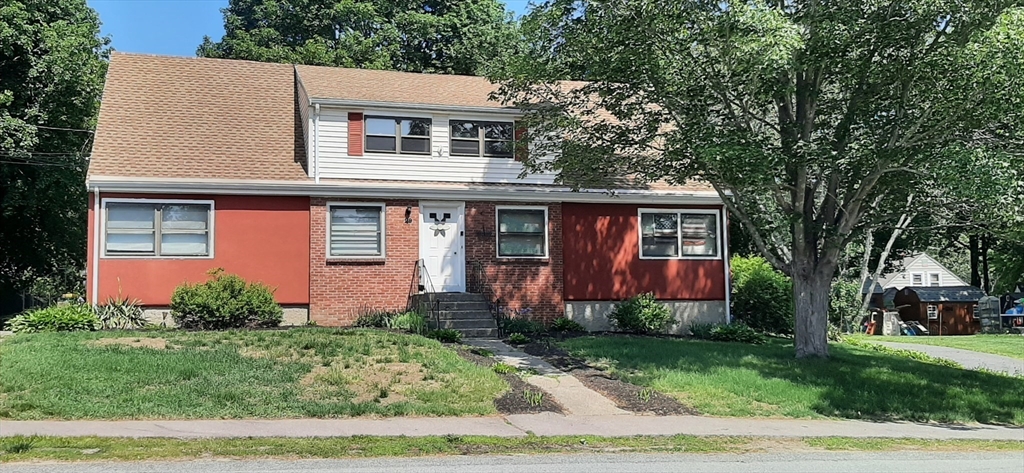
[
  {"x": 355, "y": 230},
  {"x": 925, "y": 268},
  {"x": 141, "y": 228}
]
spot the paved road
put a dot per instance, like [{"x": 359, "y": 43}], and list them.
[
  {"x": 817, "y": 462},
  {"x": 970, "y": 359}
]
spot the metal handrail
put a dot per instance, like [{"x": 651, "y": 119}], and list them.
[
  {"x": 434, "y": 309},
  {"x": 493, "y": 301}
]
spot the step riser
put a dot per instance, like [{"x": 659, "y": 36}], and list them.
[
  {"x": 450, "y": 297},
  {"x": 476, "y": 305},
  {"x": 469, "y": 324},
  {"x": 460, "y": 315},
  {"x": 480, "y": 333}
]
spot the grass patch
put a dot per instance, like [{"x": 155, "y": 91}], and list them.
[
  {"x": 733, "y": 379},
  {"x": 1005, "y": 345},
  {"x": 127, "y": 449},
  {"x": 238, "y": 374}
]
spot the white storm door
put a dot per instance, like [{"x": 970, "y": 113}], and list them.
[{"x": 442, "y": 242}]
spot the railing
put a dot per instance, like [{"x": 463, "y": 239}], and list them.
[
  {"x": 479, "y": 284},
  {"x": 423, "y": 284}
]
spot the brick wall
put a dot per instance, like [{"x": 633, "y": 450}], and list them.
[
  {"x": 341, "y": 289},
  {"x": 521, "y": 283}
]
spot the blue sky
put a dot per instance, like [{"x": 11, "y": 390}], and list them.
[{"x": 174, "y": 27}]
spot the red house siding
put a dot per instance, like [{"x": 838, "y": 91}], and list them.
[
  {"x": 602, "y": 260},
  {"x": 520, "y": 283},
  {"x": 259, "y": 238}
]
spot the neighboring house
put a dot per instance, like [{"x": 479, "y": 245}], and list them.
[
  {"x": 942, "y": 310},
  {"x": 349, "y": 190},
  {"x": 920, "y": 270}
]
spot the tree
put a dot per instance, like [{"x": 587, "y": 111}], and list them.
[
  {"x": 51, "y": 76},
  {"x": 443, "y": 36},
  {"x": 810, "y": 119}
]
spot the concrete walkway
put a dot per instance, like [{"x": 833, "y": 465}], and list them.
[
  {"x": 569, "y": 392},
  {"x": 509, "y": 426},
  {"x": 969, "y": 359}
]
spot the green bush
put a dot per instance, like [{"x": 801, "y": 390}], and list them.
[
  {"x": 701, "y": 331},
  {"x": 72, "y": 317},
  {"x": 844, "y": 303},
  {"x": 225, "y": 301},
  {"x": 563, "y": 324},
  {"x": 641, "y": 314},
  {"x": 446, "y": 335},
  {"x": 522, "y": 325},
  {"x": 737, "y": 332},
  {"x": 518, "y": 339},
  {"x": 761, "y": 296},
  {"x": 373, "y": 318},
  {"x": 411, "y": 322},
  {"x": 121, "y": 313},
  {"x": 504, "y": 368}
]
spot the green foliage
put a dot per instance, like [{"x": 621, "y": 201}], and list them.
[
  {"x": 522, "y": 325},
  {"x": 641, "y": 314},
  {"x": 64, "y": 317},
  {"x": 912, "y": 354},
  {"x": 225, "y": 301},
  {"x": 446, "y": 36},
  {"x": 518, "y": 339},
  {"x": 563, "y": 324},
  {"x": 482, "y": 352},
  {"x": 737, "y": 332},
  {"x": 18, "y": 444},
  {"x": 644, "y": 394},
  {"x": 844, "y": 302},
  {"x": 761, "y": 296},
  {"x": 701, "y": 331},
  {"x": 533, "y": 398},
  {"x": 412, "y": 322},
  {"x": 504, "y": 368},
  {"x": 121, "y": 313},
  {"x": 374, "y": 318},
  {"x": 52, "y": 59},
  {"x": 446, "y": 335}
]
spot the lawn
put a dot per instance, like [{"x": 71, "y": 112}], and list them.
[
  {"x": 1006, "y": 345},
  {"x": 732, "y": 379},
  {"x": 238, "y": 374}
]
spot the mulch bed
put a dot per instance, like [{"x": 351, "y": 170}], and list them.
[
  {"x": 513, "y": 402},
  {"x": 626, "y": 396}
]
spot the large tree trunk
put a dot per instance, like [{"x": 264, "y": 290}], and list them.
[{"x": 812, "y": 281}]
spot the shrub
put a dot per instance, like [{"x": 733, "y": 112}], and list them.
[
  {"x": 518, "y": 339},
  {"x": 641, "y": 314},
  {"x": 70, "y": 317},
  {"x": 121, "y": 313},
  {"x": 373, "y": 318},
  {"x": 737, "y": 332},
  {"x": 563, "y": 324},
  {"x": 411, "y": 322},
  {"x": 761, "y": 296},
  {"x": 844, "y": 303},
  {"x": 446, "y": 335},
  {"x": 522, "y": 325},
  {"x": 504, "y": 368},
  {"x": 701, "y": 331},
  {"x": 225, "y": 301}
]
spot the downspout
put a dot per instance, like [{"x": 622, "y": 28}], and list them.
[
  {"x": 316, "y": 143},
  {"x": 96, "y": 219},
  {"x": 725, "y": 259}
]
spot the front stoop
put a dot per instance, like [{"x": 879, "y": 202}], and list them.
[{"x": 468, "y": 313}]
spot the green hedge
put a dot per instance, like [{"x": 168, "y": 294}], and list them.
[
  {"x": 761, "y": 296},
  {"x": 71, "y": 317},
  {"x": 225, "y": 301}
]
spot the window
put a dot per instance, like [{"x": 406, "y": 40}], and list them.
[
  {"x": 356, "y": 231},
  {"x": 159, "y": 229},
  {"x": 675, "y": 234},
  {"x": 917, "y": 279},
  {"x": 933, "y": 312},
  {"x": 476, "y": 138},
  {"x": 398, "y": 135},
  {"x": 934, "y": 279},
  {"x": 522, "y": 232}
]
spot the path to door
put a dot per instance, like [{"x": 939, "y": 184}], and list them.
[{"x": 969, "y": 359}]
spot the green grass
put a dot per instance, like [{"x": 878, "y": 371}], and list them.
[
  {"x": 732, "y": 379},
  {"x": 238, "y": 374},
  {"x": 1006, "y": 345},
  {"x": 17, "y": 449}
]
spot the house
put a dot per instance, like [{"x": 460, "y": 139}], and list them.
[
  {"x": 942, "y": 310},
  {"x": 917, "y": 271},
  {"x": 349, "y": 190}
]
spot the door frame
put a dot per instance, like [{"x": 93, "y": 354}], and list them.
[{"x": 460, "y": 241}]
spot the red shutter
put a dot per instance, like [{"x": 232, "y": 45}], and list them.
[
  {"x": 521, "y": 150},
  {"x": 355, "y": 134}
]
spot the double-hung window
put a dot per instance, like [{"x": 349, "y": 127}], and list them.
[
  {"x": 676, "y": 234},
  {"x": 480, "y": 138},
  {"x": 397, "y": 135},
  {"x": 934, "y": 279},
  {"x": 917, "y": 279},
  {"x": 158, "y": 229},
  {"x": 522, "y": 232},
  {"x": 356, "y": 230}
]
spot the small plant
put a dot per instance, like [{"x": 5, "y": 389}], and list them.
[
  {"x": 644, "y": 395},
  {"x": 834, "y": 333},
  {"x": 563, "y": 324},
  {"x": 641, "y": 314},
  {"x": 121, "y": 313},
  {"x": 518, "y": 320},
  {"x": 62, "y": 317},
  {"x": 18, "y": 444},
  {"x": 701, "y": 331},
  {"x": 411, "y": 322},
  {"x": 446, "y": 335},
  {"x": 375, "y": 318},
  {"x": 504, "y": 368},
  {"x": 737, "y": 332},
  {"x": 482, "y": 352},
  {"x": 518, "y": 339},
  {"x": 225, "y": 301},
  {"x": 311, "y": 323},
  {"x": 533, "y": 398}
]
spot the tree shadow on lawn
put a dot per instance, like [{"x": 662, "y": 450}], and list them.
[{"x": 854, "y": 383}]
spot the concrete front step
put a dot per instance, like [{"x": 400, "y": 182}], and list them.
[
  {"x": 464, "y": 314},
  {"x": 462, "y": 324},
  {"x": 488, "y": 333},
  {"x": 450, "y": 297},
  {"x": 479, "y": 306}
]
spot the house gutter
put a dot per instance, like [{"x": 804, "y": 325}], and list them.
[
  {"x": 316, "y": 143},
  {"x": 96, "y": 248},
  {"x": 415, "y": 106}
]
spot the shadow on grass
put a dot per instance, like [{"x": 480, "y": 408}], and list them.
[{"x": 854, "y": 383}]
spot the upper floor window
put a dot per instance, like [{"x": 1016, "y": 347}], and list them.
[
  {"x": 934, "y": 279},
  {"x": 671, "y": 234},
  {"x": 917, "y": 279},
  {"x": 480, "y": 138},
  {"x": 397, "y": 135},
  {"x": 159, "y": 229}
]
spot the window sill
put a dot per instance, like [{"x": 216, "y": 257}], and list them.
[
  {"x": 355, "y": 261},
  {"x": 524, "y": 259}
]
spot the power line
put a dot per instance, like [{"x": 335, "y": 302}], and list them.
[
  {"x": 66, "y": 165},
  {"x": 63, "y": 129}
]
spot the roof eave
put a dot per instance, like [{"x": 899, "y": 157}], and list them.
[{"x": 414, "y": 106}]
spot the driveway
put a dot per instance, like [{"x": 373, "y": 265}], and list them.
[{"x": 969, "y": 359}]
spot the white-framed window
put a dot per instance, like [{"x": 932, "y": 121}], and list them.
[
  {"x": 917, "y": 279},
  {"x": 355, "y": 230},
  {"x": 491, "y": 139},
  {"x": 934, "y": 279},
  {"x": 397, "y": 135},
  {"x": 155, "y": 228},
  {"x": 933, "y": 312},
  {"x": 522, "y": 231},
  {"x": 679, "y": 234}
]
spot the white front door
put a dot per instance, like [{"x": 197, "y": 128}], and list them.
[{"x": 442, "y": 246}]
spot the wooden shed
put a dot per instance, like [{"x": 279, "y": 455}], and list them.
[{"x": 943, "y": 310}]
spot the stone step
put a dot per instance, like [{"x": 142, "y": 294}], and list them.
[
  {"x": 480, "y": 306},
  {"x": 450, "y": 297},
  {"x": 464, "y": 324},
  {"x": 462, "y": 314},
  {"x": 480, "y": 333}
]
